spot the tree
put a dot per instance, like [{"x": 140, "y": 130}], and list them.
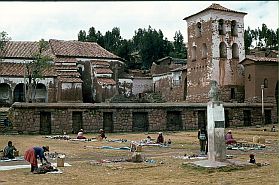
[
  {"x": 179, "y": 46},
  {"x": 35, "y": 69},
  {"x": 150, "y": 45},
  {"x": 112, "y": 40},
  {"x": 82, "y": 36},
  {"x": 91, "y": 37},
  {"x": 248, "y": 38},
  {"x": 3, "y": 41}
]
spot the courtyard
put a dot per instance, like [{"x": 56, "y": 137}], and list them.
[{"x": 104, "y": 162}]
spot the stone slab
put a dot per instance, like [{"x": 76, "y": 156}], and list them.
[{"x": 210, "y": 164}]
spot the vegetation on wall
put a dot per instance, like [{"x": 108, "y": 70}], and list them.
[
  {"x": 3, "y": 40},
  {"x": 35, "y": 68}
]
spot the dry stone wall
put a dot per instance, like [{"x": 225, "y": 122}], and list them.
[{"x": 27, "y": 117}]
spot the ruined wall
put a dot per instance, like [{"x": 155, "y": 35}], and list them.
[
  {"x": 104, "y": 92},
  {"x": 12, "y": 82},
  {"x": 141, "y": 85},
  {"x": 125, "y": 86},
  {"x": 198, "y": 66},
  {"x": 27, "y": 117},
  {"x": 170, "y": 92},
  {"x": 70, "y": 92}
]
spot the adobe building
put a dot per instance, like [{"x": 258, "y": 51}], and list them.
[
  {"x": 261, "y": 71},
  {"x": 216, "y": 52},
  {"x": 74, "y": 75},
  {"x": 13, "y": 73},
  {"x": 215, "y": 48}
]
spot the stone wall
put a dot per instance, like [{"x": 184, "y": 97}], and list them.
[{"x": 27, "y": 116}]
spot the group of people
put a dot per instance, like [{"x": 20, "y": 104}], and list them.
[
  {"x": 31, "y": 155},
  {"x": 202, "y": 136},
  {"x": 34, "y": 153},
  {"x": 102, "y": 134},
  {"x": 161, "y": 140}
]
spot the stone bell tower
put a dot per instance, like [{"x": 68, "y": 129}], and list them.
[{"x": 215, "y": 48}]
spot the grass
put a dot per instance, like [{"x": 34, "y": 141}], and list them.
[{"x": 166, "y": 170}]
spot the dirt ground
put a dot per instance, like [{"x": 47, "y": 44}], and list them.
[{"x": 164, "y": 169}]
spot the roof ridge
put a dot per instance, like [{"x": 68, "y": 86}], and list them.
[{"x": 215, "y": 6}]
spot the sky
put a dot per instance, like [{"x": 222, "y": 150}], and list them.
[{"x": 32, "y": 21}]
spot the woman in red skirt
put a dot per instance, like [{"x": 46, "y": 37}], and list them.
[{"x": 32, "y": 154}]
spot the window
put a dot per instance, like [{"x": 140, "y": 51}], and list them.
[
  {"x": 204, "y": 51},
  {"x": 223, "y": 50},
  {"x": 194, "y": 57},
  {"x": 235, "y": 53},
  {"x": 233, "y": 28},
  {"x": 265, "y": 83},
  {"x": 198, "y": 29},
  {"x": 249, "y": 77},
  {"x": 221, "y": 27},
  {"x": 232, "y": 93}
]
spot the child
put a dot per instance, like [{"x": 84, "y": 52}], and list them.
[{"x": 252, "y": 159}]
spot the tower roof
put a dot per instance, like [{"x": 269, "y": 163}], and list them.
[{"x": 218, "y": 7}]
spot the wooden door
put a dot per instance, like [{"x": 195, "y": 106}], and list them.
[
  {"x": 108, "y": 121},
  {"x": 45, "y": 123},
  {"x": 77, "y": 122},
  {"x": 140, "y": 122},
  {"x": 174, "y": 120}
]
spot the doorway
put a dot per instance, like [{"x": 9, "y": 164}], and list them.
[
  {"x": 174, "y": 120},
  {"x": 45, "y": 123},
  {"x": 140, "y": 122},
  {"x": 77, "y": 122},
  {"x": 108, "y": 121}
]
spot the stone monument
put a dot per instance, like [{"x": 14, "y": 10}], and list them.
[{"x": 215, "y": 126}]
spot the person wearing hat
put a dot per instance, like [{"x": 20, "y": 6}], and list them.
[
  {"x": 80, "y": 134},
  {"x": 160, "y": 138},
  {"x": 229, "y": 138},
  {"x": 102, "y": 134},
  {"x": 32, "y": 154}
]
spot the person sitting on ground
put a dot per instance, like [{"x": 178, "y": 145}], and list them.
[
  {"x": 34, "y": 153},
  {"x": 169, "y": 141},
  {"x": 252, "y": 159},
  {"x": 9, "y": 151},
  {"x": 148, "y": 139},
  {"x": 80, "y": 134},
  {"x": 229, "y": 138},
  {"x": 102, "y": 134},
  {"x": 160, "y": 138},
  {"x": 273, "y": 129}
]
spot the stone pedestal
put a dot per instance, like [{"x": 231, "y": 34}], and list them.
[{"x": 215, "y": 131}]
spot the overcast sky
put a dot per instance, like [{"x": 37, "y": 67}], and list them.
[{"x": 31, "y": 21}]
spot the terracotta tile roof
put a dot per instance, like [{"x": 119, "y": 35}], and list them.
[
  {"x": 62, "y": 67},
  {"x": 17, "y": 69},
  {"x": 23, "y": 49},
  {"x": 103, "y": 63},
  {"x": 260, "y": 59},
  {"x": 65, "y": 59},
  {"x": 70, "y": 80},
  {"x": 79, "y": 49},
  {"x": 103, "y": 71},
  {"x": 68, "y": 74},
  {"x": 218, "y": 7},
  {"x": 106, "y": 81},
  {"x": 179, "y": 68}
]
